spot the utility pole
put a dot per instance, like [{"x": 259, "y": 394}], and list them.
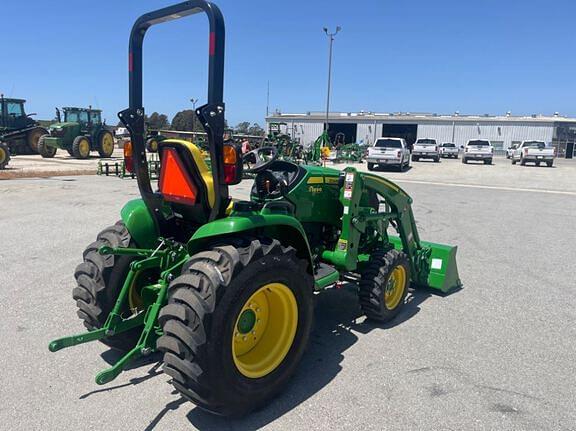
[
  {"x": 267, "y": 98},
  {"x": 331, "y": 41},
  {"x": 194, "y": 101}
]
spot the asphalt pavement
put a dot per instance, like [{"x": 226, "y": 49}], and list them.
[{"x": 497, "y": 355}]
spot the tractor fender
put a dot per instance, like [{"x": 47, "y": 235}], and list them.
[
  {"x": 285, "y": 229},
  {"x": 140, "y": 223}
]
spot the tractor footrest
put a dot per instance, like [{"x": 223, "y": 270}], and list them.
[{"x": 325, "y": 275}]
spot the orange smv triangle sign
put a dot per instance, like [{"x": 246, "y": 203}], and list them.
[{"x": 175, "y": 183}]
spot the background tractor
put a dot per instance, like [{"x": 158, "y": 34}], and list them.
[
  {"x": 19, "y": 134},
  {"x": 81, "y": 131},
  {"x": 225, "y": 289}
]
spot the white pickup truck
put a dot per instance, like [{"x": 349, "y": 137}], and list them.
[
  {"x": 533, "y": 152},
  {"x": 448, "y": 149},
  {"x": 478, "y": 149},
  {"x": 426, "y": 148},
  {"x": 388, "y": 152}
]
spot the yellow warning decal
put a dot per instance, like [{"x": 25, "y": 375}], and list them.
[{"x": 315, "y": 180}]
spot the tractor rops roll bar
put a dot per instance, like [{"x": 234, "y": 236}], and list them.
[{"x": 211, "y": 115}]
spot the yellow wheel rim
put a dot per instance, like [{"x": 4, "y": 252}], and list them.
[
  {"x": 264, "y": 330},
  {"x": 395, "y": 287},
  {"x": 154, "y": 145},
  {"x": 84, "y": 147},
  {"x": 108, "y": 143},
  {"x": 2, "y": 155}
]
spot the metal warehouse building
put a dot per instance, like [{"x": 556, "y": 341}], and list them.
[{"x": 366, "y": 127}]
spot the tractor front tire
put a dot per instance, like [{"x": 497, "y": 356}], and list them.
[
  {"x": 384, "y": 285},
  {"x": 236, "y": 324},
  {"x": 46, "y": 151},
  {"x": 105, "y": 144},
  {"x": 152, "y": 145},
  {"x": 81, "y": 147},
  {"x": 100, "y": 279},
  {"x": 4, "y": 155}
]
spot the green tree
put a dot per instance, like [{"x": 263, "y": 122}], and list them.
[
  {"x": 184, "y": 120},
  {"x": 158, "y": 121},
  {"x": 256, "y": 130},
  {"x": 242, "y": 127}
]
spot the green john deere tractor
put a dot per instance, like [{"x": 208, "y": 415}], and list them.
[
  {"x": 81, "y": 131},
  {"x": 223, "y": 288},
  {"x": 19, "y": 134}
]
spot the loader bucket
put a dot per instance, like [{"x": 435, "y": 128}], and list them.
[{"x": 443, "y": 272}]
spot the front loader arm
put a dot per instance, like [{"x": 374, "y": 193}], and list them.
[{"x": 432, "y": 265}]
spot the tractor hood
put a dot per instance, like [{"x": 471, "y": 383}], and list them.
[{"x": 62, "y": 125}]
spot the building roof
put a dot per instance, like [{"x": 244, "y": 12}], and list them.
[{"x": 415, "y": 117}]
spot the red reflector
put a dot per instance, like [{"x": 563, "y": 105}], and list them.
[
  {"x": 229, "y": 174},
  {"x": 212, "y": 48},
  {"x": 175, "y": 183}
]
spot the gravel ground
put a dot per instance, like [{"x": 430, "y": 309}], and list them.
[{"x": 497, "y": 355}]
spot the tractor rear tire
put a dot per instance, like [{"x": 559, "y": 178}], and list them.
[
  {"x": 105, "y": 144},
  {"x": 214, "y": 350},
  {"x": 81, "y": 147},
  {"x": 4, "y": 155},
  {"x": 33, "y": 136},
  {"x": 100, "y": 279},
  {"x": 384, "y": 285},
  {"x": 44, "y": 150}
]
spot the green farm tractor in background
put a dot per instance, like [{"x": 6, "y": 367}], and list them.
[
  {"x": 222, "y": 288},
  {"x": 19, "y": 134},
  {"x": 81, "y": 131}
]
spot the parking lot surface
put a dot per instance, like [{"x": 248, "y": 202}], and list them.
[{"x": 496, "y": 355}]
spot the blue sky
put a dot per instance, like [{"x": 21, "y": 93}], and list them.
[{"x": 481, "y": 56}]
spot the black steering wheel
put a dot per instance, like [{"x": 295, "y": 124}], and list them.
[{"x": 259, "y": 160}]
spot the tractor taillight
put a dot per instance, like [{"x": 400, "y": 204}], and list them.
[
  {"x": 175, "y": 183},
  {"x": 229, "y": 174},
  {"x": 128, "y": 160},
  {"x": 232, "y": 163}
]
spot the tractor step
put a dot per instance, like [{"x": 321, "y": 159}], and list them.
[{"x": 325, "y": 276}]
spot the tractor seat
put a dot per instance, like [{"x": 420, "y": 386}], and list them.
[{"x": 185, "y": 179}]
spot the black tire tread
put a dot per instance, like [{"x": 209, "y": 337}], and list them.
[
  {"x": 372, "y": 282},
  {"x": 186, "y": 318},
  {"x": 93, "y": 275}
]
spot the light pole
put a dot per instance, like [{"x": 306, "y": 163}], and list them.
[
  {"x": 331, "y": 39},
  {"x": 194, "y": 101}
]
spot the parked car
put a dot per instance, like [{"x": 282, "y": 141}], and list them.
[
  {"x": 426, "y": 148},
  {"x": 510, "y": 150},
  {"x": 533, "y": 152},
  {"x": 388, "y": 152},
  {"x": 478, "y": 149},
  {"x": 448, "y": 150}
]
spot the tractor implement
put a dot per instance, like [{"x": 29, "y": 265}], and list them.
[{"x": 225, "y": 289}]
